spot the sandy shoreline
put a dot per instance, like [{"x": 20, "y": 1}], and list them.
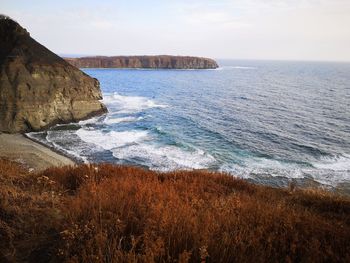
[{"x": 33, "y": 155}]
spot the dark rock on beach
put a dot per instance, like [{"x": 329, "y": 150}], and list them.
[
  {"x": 39, "y": 89},
  {"x": 152, "y": 62}
]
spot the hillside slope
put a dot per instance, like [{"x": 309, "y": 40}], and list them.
[{"x": 109, "y": 213}]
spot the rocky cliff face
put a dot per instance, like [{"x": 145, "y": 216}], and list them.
[
  {"x": 38, "y": 88},
  {"x": 161, "y": 62}
]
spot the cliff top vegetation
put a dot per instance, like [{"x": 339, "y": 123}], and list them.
[{"x": 108, "y": 213}]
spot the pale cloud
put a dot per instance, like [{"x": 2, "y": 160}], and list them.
[
  {"x": 214, "y": 19},
  {"x": 253, "y": 29}
]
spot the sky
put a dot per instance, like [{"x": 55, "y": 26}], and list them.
[{"x": 315, "y": 30}]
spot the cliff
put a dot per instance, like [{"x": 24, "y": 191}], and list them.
[
  {"x": 155, "y": 62},
  {"x": 38, "y": 88}
]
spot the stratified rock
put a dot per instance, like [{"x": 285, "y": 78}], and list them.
[
  {"x": 39, "y": 89},
  {"x": 155, "y": 62}
]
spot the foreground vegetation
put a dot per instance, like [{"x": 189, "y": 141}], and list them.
[{"x": 109, "y": 213}]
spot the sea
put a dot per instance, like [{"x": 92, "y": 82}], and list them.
[{"x": 269, "y": 122}]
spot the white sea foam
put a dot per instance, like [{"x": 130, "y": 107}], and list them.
[
  {"x": 51, "y": 143},
  {"x": 75, "y": 154},
  {"x": 134, "y": 145},
  {"x": 263, "y": 166},
  {"x": 89, "y": 121},
  {"x": 110, "y": 120},
  {"x": 331, "y": 171},
  {"x": 327, "y": 178},
  {"x": 36, "y": 137},
  {"x": 130, "y": 104},
  {"x": 111, "y": 140},
  {"x": 165, "y": 158},
  {"x": 71, "y": 153},
  {"x": 265, "y": 162},
  {"x": 328, "y": 171},
  {"x": 338, "y": 163}
]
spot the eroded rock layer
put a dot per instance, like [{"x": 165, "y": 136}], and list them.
[{"x": 39, "y": 89}]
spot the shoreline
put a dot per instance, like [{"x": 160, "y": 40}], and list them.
[
  {"x": 37, "y": 156},
  {"x": 75, "y": 160},
  {"x": 33, "y": 155}
]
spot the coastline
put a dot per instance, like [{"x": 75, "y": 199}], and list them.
[{"x": 33, "y": 155}]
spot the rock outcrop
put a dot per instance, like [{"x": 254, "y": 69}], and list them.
[
  {"x": 153, "y": 62},
  {"x": 39, "y": 89}
]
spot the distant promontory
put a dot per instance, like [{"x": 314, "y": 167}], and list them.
[{"x": 150, "y": 62}]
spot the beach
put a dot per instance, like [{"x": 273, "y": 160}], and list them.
[{"x": 34, "y": 156}]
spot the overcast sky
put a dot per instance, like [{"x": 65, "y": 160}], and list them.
[{"x": 238, "y": 29}]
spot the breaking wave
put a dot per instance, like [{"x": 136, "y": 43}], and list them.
[
  {"x": 129, "y": 104},
  {"x": 112, "y": 139},
  {"x": 165, "y": 158}
]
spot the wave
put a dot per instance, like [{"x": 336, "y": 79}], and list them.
[
  {"x": 74, "y": 153},
  {"x": 336, "y": 163},
  {"x": 165, "y": 158},
  {"x": 112, "y": 139},
  {"x": 50, "y": 139},
  {"x": 263, "y": 167},
  {"x": 133, "y": 145},
  {"x": 129, "y": 104},
  {"x": 110, "y": 120},
  {"x": 37, "y": 136},
  {"x": 89, "y": 121},
  {"x": 329, "y": 171}
]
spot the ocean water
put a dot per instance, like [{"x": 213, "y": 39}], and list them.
[{"x": 268, "y": 122}]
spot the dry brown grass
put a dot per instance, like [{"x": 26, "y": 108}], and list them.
[{"x": 109, "y": 213}]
